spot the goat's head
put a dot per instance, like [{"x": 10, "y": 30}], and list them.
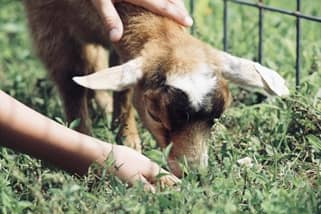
[{"x": 179, "y": 89}]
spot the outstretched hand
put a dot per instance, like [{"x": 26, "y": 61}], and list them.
[
  {"x": 174, "y": 9},
  {"x": 131, "y": 166},
  {"x": 70, "y": 150}
]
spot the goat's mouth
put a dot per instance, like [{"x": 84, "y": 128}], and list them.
[
  {"x": 196, "y": 159},
  {"x": 176, "y": 167}
]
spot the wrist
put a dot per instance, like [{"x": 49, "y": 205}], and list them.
[{"x": 101, "y": 151}]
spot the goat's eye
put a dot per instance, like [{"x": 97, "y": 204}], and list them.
[{"x": 154, "y": 117}]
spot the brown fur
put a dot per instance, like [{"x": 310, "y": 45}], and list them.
[{"x": 62, "y": 31}]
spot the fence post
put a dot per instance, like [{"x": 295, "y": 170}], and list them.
[
  {"x": 260, "y": 51},
  {"x": 225, "y": 26},
  {"x": 298, "y": 45},
  {"x": 192, "y": 8}
]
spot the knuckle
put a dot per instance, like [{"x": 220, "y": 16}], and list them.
[
  {"x": 165, "y": 7},
  {"x": 110, "y": 21}
]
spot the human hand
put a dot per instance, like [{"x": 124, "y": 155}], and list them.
[
  {"x": 173, "y": 9},
  {"x": 131, "y": 166}
]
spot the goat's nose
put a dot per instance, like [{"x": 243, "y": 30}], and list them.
[
  {"x": 199, "y": 163},
  {"x": 175, "y": 168}
]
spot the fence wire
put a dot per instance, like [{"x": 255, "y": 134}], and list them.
[{"x": 261, "y": 10}]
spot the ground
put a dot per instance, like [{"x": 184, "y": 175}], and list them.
[{"x": 282, "y": 136}]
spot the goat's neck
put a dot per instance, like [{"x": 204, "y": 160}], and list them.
[{"x": 142, "y": 27}]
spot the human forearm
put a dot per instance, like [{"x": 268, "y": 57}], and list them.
[{"x": 27, "y": 131}]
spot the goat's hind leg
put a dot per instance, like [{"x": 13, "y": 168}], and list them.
[{"x": 64, "y": 59}]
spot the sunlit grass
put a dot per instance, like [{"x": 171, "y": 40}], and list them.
[{"x": 282, "y": 136}]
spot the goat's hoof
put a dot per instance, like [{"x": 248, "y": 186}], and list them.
[{"x": 134, "y": 142}]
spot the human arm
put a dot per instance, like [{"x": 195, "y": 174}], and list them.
[
  {"x": 27, "y": 131},
  {"x": 173, "y": 9}
]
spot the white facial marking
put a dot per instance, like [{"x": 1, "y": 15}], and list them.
[{"x": 196, "y": 84}]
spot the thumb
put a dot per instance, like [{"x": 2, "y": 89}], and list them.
[{"x": 110, "y": 18}]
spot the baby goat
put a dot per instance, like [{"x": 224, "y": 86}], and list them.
[{"x": 175, "y": 81}]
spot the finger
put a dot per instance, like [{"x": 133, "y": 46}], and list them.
[
  {"x": 110, "y": 18},
  {"x": 180, "y": 4},
  {"x": 158, "y": 174},
  {"x": 175, "y": 11},
  {"x": 147, "y": 185},
  {"x": 168, "y": 179}
]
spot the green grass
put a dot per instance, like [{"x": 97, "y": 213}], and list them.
[{"x": 282, "y": 136}]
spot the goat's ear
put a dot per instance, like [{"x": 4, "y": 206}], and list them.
[
  {"x": 114, "y": 78},
  {"x": 248, "y": 73}
]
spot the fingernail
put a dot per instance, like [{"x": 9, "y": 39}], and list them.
[
  {"x": 114, "y": 35},
  {"x": 188, "y": 21}
]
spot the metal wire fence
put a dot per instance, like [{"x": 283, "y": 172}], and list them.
[{"x": 262, "y": 8}]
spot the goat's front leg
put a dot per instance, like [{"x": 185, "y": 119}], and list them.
[
  {"x": 124, "y": 120},
  {"x": 124, "y": 114}
]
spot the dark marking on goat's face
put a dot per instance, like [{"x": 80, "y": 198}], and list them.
[{"x": 171, "y": 117}]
